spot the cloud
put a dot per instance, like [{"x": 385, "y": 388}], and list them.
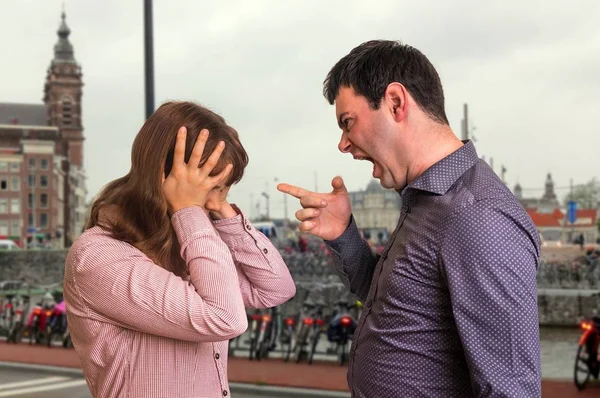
[{"x": 527, "y": 69}]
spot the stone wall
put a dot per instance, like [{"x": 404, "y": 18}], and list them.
[
  {"x": 565, "y": 292},
  {"x": 566, "y": 308},
  {"x": 37, "y": 267}
]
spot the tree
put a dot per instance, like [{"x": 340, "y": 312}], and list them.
[{"x": 587, "y": 196}]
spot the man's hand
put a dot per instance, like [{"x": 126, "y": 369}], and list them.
[{"x": 325, "y": 215}]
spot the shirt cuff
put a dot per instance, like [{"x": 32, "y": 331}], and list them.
[
  {"x": 233, "y": 230},
  {"x": 190, "y": 221},
  {"x": 349, "y": 236}
]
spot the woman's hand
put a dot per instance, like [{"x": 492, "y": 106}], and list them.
[
  {"x": 187, "y": 184},
  {"x": 217, "y": 204}
]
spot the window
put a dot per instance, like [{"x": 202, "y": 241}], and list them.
[
  {"x": 31, "y": 181},
  {"x": 15, "y": 166},
  {"x": 16, "y": 184},
  {"x": 3, "y": 185},
  {"x": 44, "y": 181},
  {"x": 3, "y": 166},
  {"x": 30, "y": 220},
  {"x": 32, "y": 163},
  {"x": 15, "y": 206},
  {"x": 30, "y": 200},
  {"x": 44, "y": 220},
  {"x": 4, "y": 228},
  {"x": 44, "y": 201},
  {"x": 15, "y": 228},
  {"x": 3, "y": 206},
  {"x": 66, "y": 111},
  {"x": 44, "y": 164}
]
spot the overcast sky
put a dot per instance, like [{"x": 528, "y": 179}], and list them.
[{"x": 529, "y": 70}]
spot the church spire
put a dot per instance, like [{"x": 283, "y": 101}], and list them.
[{"x": 63, "y": 50}]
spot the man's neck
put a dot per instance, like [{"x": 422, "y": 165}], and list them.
[{"x": 434, "y": 145}]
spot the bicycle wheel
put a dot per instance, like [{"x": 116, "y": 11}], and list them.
[
  {"x": 582, "y": 373},
  {"x": 288, "y": 352},
  {"x": 49, "y": 336},
  {"x": 315, "y": 341},
  {"x": 342, "y": 354},
  {"x": 263, "y": 350},
  {"x": 298, "y": 352},
  {"x": 252, "y": 346}
]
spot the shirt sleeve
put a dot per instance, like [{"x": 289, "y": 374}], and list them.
[
  {"x": 354, "y": 261},
  {"x": 122, "y": 286},
  {"x": 264, "y": 278},
  {"x": 489, "y": 258}
]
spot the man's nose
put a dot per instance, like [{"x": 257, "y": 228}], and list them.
[{"x": 345, "y": 144}]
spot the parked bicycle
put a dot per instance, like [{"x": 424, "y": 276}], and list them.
[
  {"x": 287, "y": 336},
  {"x": 341, "y": 329},
  {"x": 270, "y": 330},
  {"x": 15, "y": 332},
  {"x": 587, "y": 361},
  {"x": 317, "y": 330},
  {"x": 254, "y": 331},
  {"x": 305, "y": 334}
]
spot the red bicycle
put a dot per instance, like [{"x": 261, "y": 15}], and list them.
[{"x": 587, "y": 362}]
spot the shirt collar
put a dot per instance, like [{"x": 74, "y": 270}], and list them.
[{"x": 442, "y": 175}]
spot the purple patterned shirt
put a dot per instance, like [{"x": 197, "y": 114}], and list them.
[{"x": 450, "y": 306}]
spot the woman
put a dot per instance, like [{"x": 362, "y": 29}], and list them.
[{"x": 157, "y": 284}]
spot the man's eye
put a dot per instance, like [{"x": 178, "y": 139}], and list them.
[{"x": 346, "y": 122}]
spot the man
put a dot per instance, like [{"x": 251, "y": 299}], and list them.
[{"x": 451, "y": 303}]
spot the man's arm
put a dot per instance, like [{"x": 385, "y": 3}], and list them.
[
  {"x": 489, "y": 258},
  {"x": 354, "y": 260}
]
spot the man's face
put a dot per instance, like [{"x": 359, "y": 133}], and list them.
[{"x": 366, "y": 134}]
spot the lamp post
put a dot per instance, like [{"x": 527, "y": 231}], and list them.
[
  {"x": 149, "y": 57},
  {"x": 285, "y": 210},
  {"x": 266, "y": 195}
]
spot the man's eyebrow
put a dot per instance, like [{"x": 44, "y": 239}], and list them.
[{"x": 342, "y": 115}]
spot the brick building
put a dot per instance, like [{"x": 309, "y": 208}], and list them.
[
  {"x": 42, "y": 179},
  {"x": 551, "y": 220}
]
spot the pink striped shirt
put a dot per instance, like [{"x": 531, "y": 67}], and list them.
[{"x": 141, "y": 331}]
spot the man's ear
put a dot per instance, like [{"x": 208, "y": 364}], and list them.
[{"x": 395, "y": 99}]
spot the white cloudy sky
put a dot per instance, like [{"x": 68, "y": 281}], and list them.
[{"x": 530, "y": 71}]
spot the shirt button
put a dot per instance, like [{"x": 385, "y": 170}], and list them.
[
  {"x": 217, "y": 356},
  {"x": 265, "y": 251},
  {"x": 369, "y": 303},
  {"x": 224, "y": 393},
  {"x": 248, "y": 227}
]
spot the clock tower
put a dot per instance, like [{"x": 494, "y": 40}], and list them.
[{"x": 62, "y": 97}]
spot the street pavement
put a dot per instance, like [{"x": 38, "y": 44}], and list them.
[
  {"x": 32, "y": 384},
  {"x": 272, "y": 372}
]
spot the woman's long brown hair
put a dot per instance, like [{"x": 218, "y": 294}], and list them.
[{"x": 133, "y": 208}]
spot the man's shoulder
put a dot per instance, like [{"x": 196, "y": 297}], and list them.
[
  {"x": 489, "y": 198},
  {"x": 484, "y": 184},
  {"x": 478, "y": 189}
]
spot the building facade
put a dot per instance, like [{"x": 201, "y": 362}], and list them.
[
  {"x": 376, "y": 210},
  {"x": 551, "y": 220},
  {"x": 41, "y": 158}
]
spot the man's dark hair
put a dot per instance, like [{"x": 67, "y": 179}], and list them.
[{"x": 373, "y": 65}]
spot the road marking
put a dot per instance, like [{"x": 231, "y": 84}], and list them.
[
  {"x": 57, "y": 386},
  {"x": 28, "y": 383}
]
